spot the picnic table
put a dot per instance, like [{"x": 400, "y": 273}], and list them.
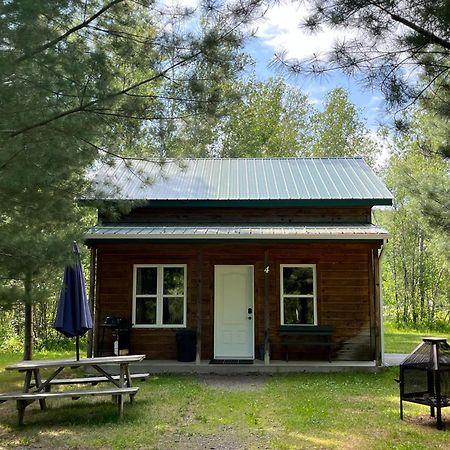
[{"x": 37, "y": 388}]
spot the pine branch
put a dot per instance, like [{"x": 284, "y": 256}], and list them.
[
  {"x": 125, "y": 159},
  {"x": 134, "y": 117},
  {"x": 424, "y": 89},
  {"x": 110, "y": 153},
  {"x": 418, "y": 29},
  {"x": 69, "y": 32},
  {"x": 113, "y": 95}
]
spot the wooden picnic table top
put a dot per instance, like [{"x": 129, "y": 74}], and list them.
[{"x": 44, "y": 363}]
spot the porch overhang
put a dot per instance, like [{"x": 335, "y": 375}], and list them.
[{"x": 246, "y": 232}]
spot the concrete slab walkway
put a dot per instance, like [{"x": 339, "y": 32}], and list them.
[{"x": 394, "y": 359}]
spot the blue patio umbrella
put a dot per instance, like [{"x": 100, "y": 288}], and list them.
[{"x": 73, "y": 315}]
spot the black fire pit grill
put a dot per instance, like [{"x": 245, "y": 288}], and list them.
[{"x": 425, "y": 377}]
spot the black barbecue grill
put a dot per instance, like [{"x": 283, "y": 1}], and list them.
[{"x": 425, "y": 377}]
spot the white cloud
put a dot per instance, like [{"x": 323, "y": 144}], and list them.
[{"x": 280, "y": 29}]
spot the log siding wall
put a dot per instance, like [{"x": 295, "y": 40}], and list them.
[
  {"x": 345, "y": 290},
  {"x": 238, "y": 215}
]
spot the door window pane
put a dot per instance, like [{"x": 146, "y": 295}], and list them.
[
  {"x": 298, "y": 311},
  {"x": 146, "y": 280},
  {"x": 173, "y": 310},
  {"x": 146, "y": 310},
  {"x": 173, "y": 281},
  {"x": 298, "y": 281}
]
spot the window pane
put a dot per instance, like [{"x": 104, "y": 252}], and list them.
[
  {"x": 146, "y": 280},
  {"x": 173, "y": 281},
  {"x": 146, "y": 311},
  {"x": 173, "y": 310},
  {"x": 298, "y": 311},
  {"x": 298, "y": 281}
]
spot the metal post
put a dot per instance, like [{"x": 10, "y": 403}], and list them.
[
  {"x": 401, "y": 391},
  {"x": 437, "y": 380}
]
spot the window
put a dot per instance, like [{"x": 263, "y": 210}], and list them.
[
  {"x": 298, "y": 294},
  {"x": 159, "y": 295}
]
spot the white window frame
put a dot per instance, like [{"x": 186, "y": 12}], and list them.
[
  {"x": 159, "y": 296},
  {"x": 282, "y": 295}
]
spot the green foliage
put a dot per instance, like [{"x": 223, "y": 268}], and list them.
[
  {"x": 399, "y": 338},
  {"x": 394, "y": 39},
  {"x": 272, "y": 119},
  {"x": 401, "y": 48},
  {"x": 85, "y": 81},
  {"x": 338, "y": 130},
  {"x": 430, "y": 181},
  {"x": 417, "y": 271}
]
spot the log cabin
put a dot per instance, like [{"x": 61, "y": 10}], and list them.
[{"x": 242, "y": 252}]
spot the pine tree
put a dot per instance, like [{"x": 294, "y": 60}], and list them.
[{"x": 82, "y": 81}]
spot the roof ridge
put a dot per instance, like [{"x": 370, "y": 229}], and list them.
[{"x": 216, "y": 158}]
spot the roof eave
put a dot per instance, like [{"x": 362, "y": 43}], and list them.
[
  {"x": 248, "y": 203},
  {"x": 236, "y": 237}
]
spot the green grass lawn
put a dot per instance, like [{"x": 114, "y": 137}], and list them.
[
  {"x": 401, "y": 340},
  {"x": 297, "y": 411}
]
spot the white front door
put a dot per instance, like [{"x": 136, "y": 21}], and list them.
[{"x": 233, "y": 312}]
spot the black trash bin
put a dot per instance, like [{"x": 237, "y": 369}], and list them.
[{"x": 186, "y": 345}]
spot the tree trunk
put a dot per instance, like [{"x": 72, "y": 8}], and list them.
[
  {"x": 422, "y": 281},
  {"x": 28, "y": 341}
]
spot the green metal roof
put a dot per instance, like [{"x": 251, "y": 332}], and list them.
[
  {"x": 238, "y": 232},
  {"x": 243, "y": 181}
]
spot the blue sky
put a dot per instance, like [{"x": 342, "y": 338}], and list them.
[
  {"x": 280, "y": 30},
  {"x": 369, "y": 101}
]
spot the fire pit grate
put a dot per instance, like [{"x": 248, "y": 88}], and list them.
[{"x": 425, "y": 377}]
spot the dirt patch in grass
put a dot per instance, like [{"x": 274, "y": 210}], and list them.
[
  {"x": 234, "y": 382},
  {"x": 224, "y": 438},
  {"x": 426, "y": 420}
]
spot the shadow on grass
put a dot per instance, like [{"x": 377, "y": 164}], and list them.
[{"x": 80, "y": 414}]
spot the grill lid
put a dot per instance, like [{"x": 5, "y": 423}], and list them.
[{"x": 432, "y": 354}]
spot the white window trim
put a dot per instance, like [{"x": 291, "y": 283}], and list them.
[
  {"x": 282, "y": 295},
  {"x": 159, "y": 296}
]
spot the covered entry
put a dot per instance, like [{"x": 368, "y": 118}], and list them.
[{"x": 233, "y": 312}]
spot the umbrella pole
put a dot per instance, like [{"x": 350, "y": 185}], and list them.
[{"x": 77, "y": 343}]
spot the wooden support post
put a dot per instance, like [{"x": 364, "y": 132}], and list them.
[
  {"x": 372, "y": 301},
  {"x": 198, "y": 356},
  {"x": 27, "y": 381},
  {"x": 38, "y": 383},
  {"x": 377, "y": 307},
  {"x": 120, "y": 405},
  {"x": 92, "y": 284},
  {"x": 21, "y": 405},
  {"x": 266, "y": 308}
]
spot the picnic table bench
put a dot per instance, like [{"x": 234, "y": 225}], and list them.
[
  {"x": 89, "y": 380},
  {"x": 23, "y": 399},
  {"x": 39, "y": 390},
  {"x": 307, "y": 335}
]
